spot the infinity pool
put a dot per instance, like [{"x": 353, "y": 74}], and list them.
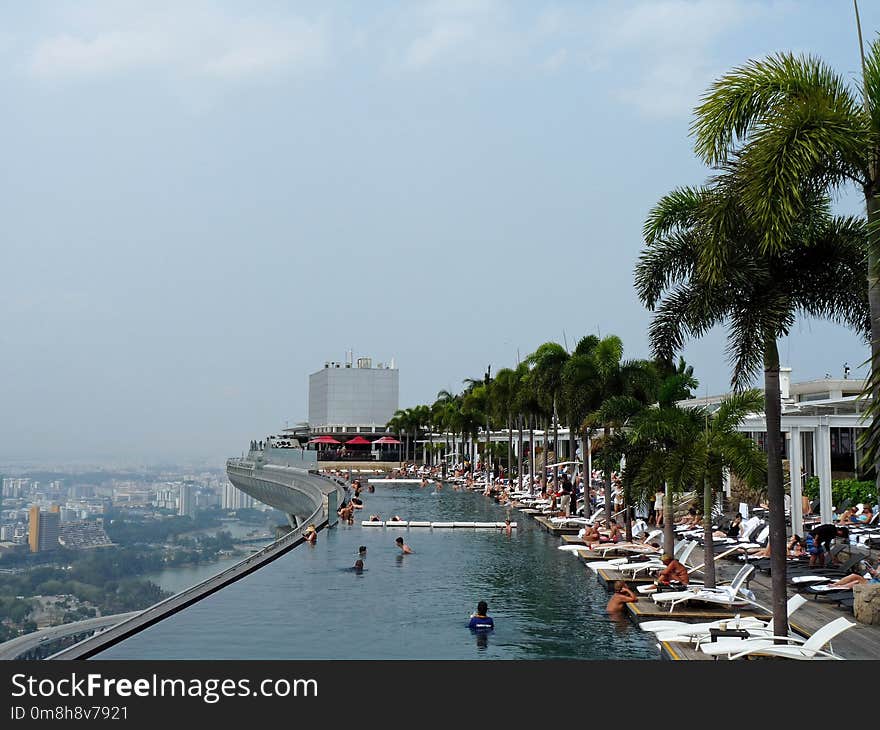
[{"x": 310, "y": 604}]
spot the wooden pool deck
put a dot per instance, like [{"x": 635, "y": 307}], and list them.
[{"x": 861, "y": 642}]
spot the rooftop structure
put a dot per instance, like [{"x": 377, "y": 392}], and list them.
[{"x": 352, "y": 398}]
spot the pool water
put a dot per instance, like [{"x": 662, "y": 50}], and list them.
[{"x": 311, "y": 604}]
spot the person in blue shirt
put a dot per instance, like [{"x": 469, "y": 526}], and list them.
[{"x": 480, "y": 620}]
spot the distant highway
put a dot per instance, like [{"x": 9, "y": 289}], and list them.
[{"x": 14, "y": 648}]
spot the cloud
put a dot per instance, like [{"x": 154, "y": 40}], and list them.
[
  {"x": 194, "y": 40},
  {"x": 455, "y": 32},
  {"x": 669, "y": 48}
]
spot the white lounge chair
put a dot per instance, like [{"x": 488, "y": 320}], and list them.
[
  {"x": 682, "y": 552},
  {"x": 729, "y": 595},
  {"x": 796, "y": 648},
  {"x": 679, "y": 631},
  {"x": 683, "y": 555},
  {"x": 648, "y": 589}
]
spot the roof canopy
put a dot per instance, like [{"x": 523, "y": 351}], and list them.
[{"x": 358, "y": 441}]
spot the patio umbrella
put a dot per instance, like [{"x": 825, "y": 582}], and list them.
[
  {"x": 358, "y": 441},
  {"x": 387, "y": 440},
  {"x": 324, "y": 440}
]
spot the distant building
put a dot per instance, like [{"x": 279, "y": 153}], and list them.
[
  {"x": 352, "y": 398},
  {"x": 83, "y": 535},
  {"x": 186, "y": 501},
  {"x": 234, "y": 498},
  {"x": 43, "y": 529}
]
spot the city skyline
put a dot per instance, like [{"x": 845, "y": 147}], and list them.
[{"x": 204, "y": 204}]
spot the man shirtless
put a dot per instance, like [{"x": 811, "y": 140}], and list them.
[
  {"x": 622, "y": 595},
  {"x": 673, "y": 572}
]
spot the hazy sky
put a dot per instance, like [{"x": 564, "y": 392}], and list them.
[{"x": 202, "y": 202}]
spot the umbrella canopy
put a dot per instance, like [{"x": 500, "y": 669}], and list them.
[
  {"x": 324, "y": 440},
  {"x": 386, "y": 440},
  {"x": 358, "y": 441}
]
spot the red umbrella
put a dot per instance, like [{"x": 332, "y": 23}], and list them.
[
  {"x": 324, "y": 440},
  {"x": 386, "y": 440},
  {"x": 358, "y": 441}
]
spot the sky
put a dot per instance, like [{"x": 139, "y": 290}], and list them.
[{"x": 203, "y": 202}]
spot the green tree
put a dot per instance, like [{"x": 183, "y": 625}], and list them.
[
  {"x": 705, "y": 264},
  {"x": 548, "y": 362},
  {"x": 796, "y": 126},
  {"x": 617, "y": 378}
]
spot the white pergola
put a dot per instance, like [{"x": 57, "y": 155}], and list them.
[{"x": 816, "y": 418}]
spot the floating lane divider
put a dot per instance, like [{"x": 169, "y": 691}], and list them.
[
  {"x": 405, "y": 523},
  {"x": 401, "y": 481}
]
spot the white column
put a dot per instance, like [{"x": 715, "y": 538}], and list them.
[
  {"x": 823, "y": 463},
  {"x": 795, "y": 459},
  {"x": 727, "y": 483}
]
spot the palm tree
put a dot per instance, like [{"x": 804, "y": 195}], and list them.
[
  {"x": 529, "y": 407},
  {"x": 616, "y": 415},
  {"x": 705, "y": 264},
  {"x": 796, "y": 125},
  {"x": 682, "y": 448},
  {"x": 721, "y": 447},
  {"x": 502, "y": 400},
  {"x": 548, "y": 361},
  {"x": 581, "y": 397},
  {"x": 616, "y": 377}
]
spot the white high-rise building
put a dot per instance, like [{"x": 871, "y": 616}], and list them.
[
  {"x": 234, "y": 498},
  {"x": 186, "y": 501}
]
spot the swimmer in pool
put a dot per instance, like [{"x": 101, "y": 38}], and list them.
[
  {"x": 622, "y": 596},
  {"x": 481, "y": 620},
  {"x": 404, "y": 548}
]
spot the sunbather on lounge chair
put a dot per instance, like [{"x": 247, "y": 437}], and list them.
[
  {"x": 872, "y": 575},
  {"x": 673, "y": 572}
]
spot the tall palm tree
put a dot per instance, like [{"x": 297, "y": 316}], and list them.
[
  {"x": 616, "y": 378},
  {"x": 502, "y": 399},
  {"x": 548, "y": 361},
  {"x": 723, "y": 447},
  {"x": 705, "y": 264},
  {"x": 581, "y": 397},
  {"x": 529, "y": 406},
  {"x": 795, "y": 125}
]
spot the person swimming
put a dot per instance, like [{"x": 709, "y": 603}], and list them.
[{"x": 481, "y": 619}]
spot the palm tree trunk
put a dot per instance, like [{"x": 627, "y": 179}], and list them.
[
  {"x": 775, "y": 488},
  {"x": 668, "y": 522},
  {"x": 555, "y": 443},
  {"x": 532, "y": 455},
  {"x": 587, "y": 485},
  {"x": 519, "y": 452},
  {"x": 708, "y": 545},
  {"x": 571, "y": 448},
  {"x": 509, "y": 447},
  {"x": 872, "y": 204},
  {"x": 546, "y": 452},
  {"x": 606, "y": 463}
]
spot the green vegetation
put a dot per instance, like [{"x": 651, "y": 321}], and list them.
[
  {"x": 107, "y": 579},
  {"x": 844, "y": 489},
  {"x": 124, "y": 530}
]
